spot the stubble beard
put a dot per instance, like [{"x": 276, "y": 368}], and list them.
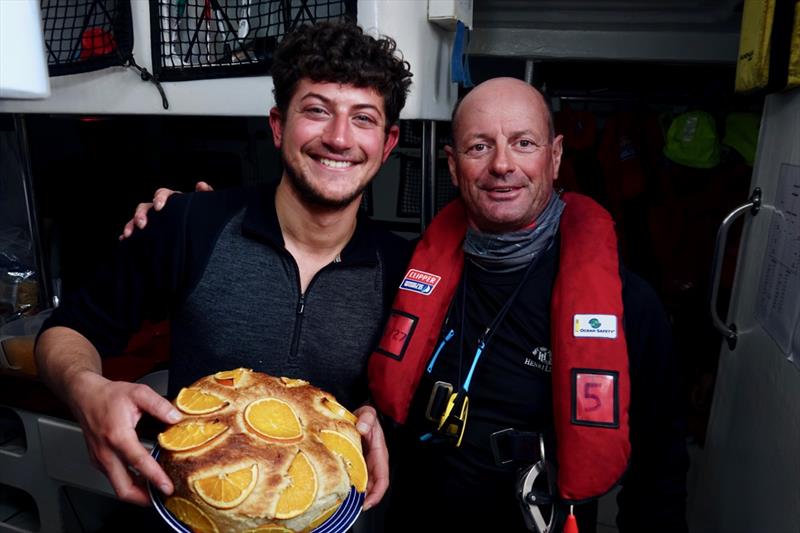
[{"x": 314, "y": 197}]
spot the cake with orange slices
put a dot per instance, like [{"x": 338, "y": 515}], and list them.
[{"x": 259, "y": 453}]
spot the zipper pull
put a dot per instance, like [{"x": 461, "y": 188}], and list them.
[
  {"x": 478, "y": 352},
  {"x": 301, "y": 305},
  {"x": 439, "y": 349}
]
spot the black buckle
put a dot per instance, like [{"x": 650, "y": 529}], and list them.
[
  {"x": 437, "y": 402},
  {"x": 510, "y": 446},
  {"x": 448, "y": 410},
  {"x": 501, "y": 447}
]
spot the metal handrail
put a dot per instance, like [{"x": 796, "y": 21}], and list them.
[{"x": 754, "y": 205}]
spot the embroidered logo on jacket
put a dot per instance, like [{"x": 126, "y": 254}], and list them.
[
  {"x": 595, "y": 326},
  {"x": 540, "y": 358},
  {"x": 420, "y": 282}
]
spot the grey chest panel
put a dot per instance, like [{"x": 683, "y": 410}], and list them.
[{"x": 245, "y": 312}]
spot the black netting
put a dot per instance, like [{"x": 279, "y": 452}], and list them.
[
  {"x": 198, "y": 39},
  {"x": 410, "y": 195},
  {"x": 84, "y": 35}
]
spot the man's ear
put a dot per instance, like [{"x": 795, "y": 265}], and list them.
[
  {"x": 451, "y": 164},
  {"x": 276, "y": 123},
  {"x": 391, "y": 141},
  {"x": 557, "y": 149}
]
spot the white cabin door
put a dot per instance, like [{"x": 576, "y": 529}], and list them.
[{"x": 748, "y": 475}]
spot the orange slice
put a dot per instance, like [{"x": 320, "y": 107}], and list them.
[
  {"x": 339, "y": 410},
  {"x": 196, "y": 402},
  {"x": 292, "y": 382},
  {"x": 229, "y": 489},
  {"x": 302, "y": 489},
  {"x": 191, "y": 515},
  {"x": 232, "y": 378},
  {"x": 350, "y": 454},
  {"x": 274, "y": 420},
  {"x": 188, "y": 435},
  {"x": 270, "y": 528},
  {"x": 327, "y": 513}
]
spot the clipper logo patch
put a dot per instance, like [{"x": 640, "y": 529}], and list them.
[
  {"x": 399, "y": 328},
  {"x": 594, "y": 398},
  {"x": 420, "y": 282},
  {"x": 595, "y": 326}
]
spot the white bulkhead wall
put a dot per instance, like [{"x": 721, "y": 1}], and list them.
[
  {"x": 119, "y": 90},
  {"x": 426, "y": 46}
]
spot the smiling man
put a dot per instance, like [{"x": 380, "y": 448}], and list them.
[
  {"x": 504, "y": 158},
  {"x": 332, "y": 152},
  {"x": 284, "y": 279},
  {"x": 532, "y": 369}
]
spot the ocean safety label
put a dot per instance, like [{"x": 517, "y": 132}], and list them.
[{"x": 595, "y": 326}]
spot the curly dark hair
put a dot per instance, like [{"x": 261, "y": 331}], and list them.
[{"x": 340, "y": 52}]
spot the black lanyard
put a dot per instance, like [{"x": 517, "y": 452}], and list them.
[{"x": 488, "y": 333}]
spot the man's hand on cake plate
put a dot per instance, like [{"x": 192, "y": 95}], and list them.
[
  {"x": 108, "y": 412},
  {"x": 375, "y": 453}
]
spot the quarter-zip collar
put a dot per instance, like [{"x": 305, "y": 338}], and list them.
[{"x": 261, "y": 223}]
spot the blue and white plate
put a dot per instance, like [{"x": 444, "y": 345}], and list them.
[{"x": 344, "y": 517}]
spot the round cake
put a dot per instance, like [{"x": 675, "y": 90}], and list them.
[{"x": 259, "y": 453}]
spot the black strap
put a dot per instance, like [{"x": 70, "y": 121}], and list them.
[
  {"x": 487, "y": 335},
  {"x": 147, "y": 76},
  {"x": 510, "y": 446}
]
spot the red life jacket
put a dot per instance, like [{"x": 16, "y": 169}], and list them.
[{"x": 591, "y": 388}]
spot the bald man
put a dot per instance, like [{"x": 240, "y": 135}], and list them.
[{"x": 526, "y": 365}]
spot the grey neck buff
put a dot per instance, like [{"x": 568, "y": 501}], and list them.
[{"x": 508, "y": 252}]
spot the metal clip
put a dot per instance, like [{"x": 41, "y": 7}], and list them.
[{"x": 532, "y": 500}]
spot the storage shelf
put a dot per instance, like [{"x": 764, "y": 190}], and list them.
[
  {"x": 12, "y": 433},
  {"x": 18, "y": 510}
]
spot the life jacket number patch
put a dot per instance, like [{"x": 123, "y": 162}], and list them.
[
  {"x": 397, "y": 334},
  {"x": 595, "y": 397}
]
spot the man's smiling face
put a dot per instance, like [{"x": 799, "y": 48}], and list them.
[
  {"x": 333, "y": 141},
  {"x": 504, "y": 159}
]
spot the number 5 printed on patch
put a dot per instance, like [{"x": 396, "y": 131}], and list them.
[{"x": 595, "y": 398}]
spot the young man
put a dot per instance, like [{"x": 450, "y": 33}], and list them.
[
  {"x": 515, "y": 332},
  {"x": 287, "y": 280}
]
